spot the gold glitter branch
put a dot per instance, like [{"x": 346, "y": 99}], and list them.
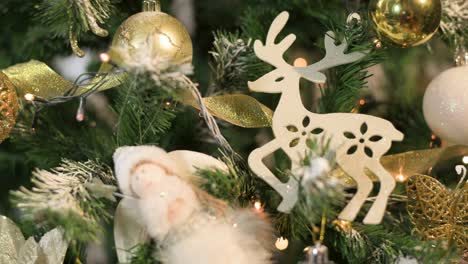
[{"x": 89, "y": 14}]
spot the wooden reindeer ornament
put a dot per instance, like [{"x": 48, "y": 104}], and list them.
[{"x": 359, "y": 140}]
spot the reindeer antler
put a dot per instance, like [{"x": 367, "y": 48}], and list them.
[
  {"x": 334, "y": 56},
  {"x": 273, "y": 53}
]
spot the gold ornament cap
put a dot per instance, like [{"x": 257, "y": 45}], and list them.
[
  {"x": 406, "y": 23},
  {"x": 151, "y": 6}
]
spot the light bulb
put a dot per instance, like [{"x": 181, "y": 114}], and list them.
[
  {"x": 400, "y": 178},
  {"x": 29, "y": 97},
  {"x": 104, "y": 57},
  {"x": 465, "y": 160},
  {"x": 282, "y": 243},
  {"x": 258, "y": 206},
  {"x": 300, "y": 62}
]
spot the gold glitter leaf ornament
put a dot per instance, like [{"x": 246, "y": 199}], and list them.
[
  {"x": 437, "y": 212},
  {"x": 8, "y": 106}
]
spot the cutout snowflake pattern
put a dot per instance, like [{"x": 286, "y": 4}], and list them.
[
  {"x": 304, "y": 133},
  {"x": 359, "y": 141}
]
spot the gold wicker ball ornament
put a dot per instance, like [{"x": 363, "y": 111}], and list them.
[
  {"x": 8, "y": 107},
  {"x": 167, "y": 36},
  {"x": 406, "y": 23}
]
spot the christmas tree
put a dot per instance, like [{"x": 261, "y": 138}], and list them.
[{"x": 233, "y": 131}]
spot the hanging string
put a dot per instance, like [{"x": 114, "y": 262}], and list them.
[{"x": 209, "y": 119}]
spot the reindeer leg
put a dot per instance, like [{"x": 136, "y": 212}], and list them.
[
  {"x": 387, "y": 184},
  {"x": 288, "y": 191},
  {"x": 364, "y": 187}
]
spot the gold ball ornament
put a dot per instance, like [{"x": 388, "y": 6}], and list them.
[
  {"x": 8, "y": 106},
  {"x": 406, "y": 23},
  {"x": 169, "y": 38}
]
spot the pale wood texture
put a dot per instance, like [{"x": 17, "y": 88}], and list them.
[{"x": 359, "y": 140}]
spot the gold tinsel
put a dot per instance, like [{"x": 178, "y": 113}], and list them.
[
  {"x": 8, "y": 106},
  {"x": 437, "y": 212}
]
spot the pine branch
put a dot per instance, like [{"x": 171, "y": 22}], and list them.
[
  {"x": 233, "y": 63},
  {"x": 73, "y": 18},
  {"x": 454, "y": 24},
  {"x": 145, "y": 111},
  {"x": 346, "y": 82},
  {"x": 58, "y": 135},
  {"x": 237, "y": 187},
  {"x": 377, "y": 244},
  {"x": 319, "y": 193},
  {"x": 70, "y": 196}
]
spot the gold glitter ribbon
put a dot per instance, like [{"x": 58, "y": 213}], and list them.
[
  {"x": 37, "y": 78},
  {"x": 409, "y": 163},
  {"x": 238, "y": 109}
]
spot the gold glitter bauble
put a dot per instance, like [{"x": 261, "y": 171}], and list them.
[
  {"x": 8, "y": 106},
  {"x": 169, "y": 38},
  {"x": 406, "y": 23}
]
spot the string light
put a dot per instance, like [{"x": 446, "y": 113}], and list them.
[
  {"x": 29, "y": 97},
  {"x": 315, "y": 251},
  {"x": 80, "y": 114},
  {"x": 104, "y": 57},
  {"x": 400, "y": 178},
  {"x": 300, "y": 62},
  {"x": 258, "y": 206},
  {"x": 73, "y": 93},
  {"x": 465, "y": 160},
  {"x": 281, "y": 243}
]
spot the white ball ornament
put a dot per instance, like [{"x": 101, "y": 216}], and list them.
[{"x": 446, "y": 105}]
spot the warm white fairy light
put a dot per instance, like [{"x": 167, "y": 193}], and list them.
[
  {"x": 315, "y": 251},
  {"x": 104, "y": 57},
  {"x": 400, "y": 178},
  {"x": 282, "y": 243},
  {"x": 300, "y": 62},
  {"x": 29, "y": 97},
  {"x": 258, "y": 206},
  {"x": 465, "y": 160},
  {"x": 80, "y": 117}
]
